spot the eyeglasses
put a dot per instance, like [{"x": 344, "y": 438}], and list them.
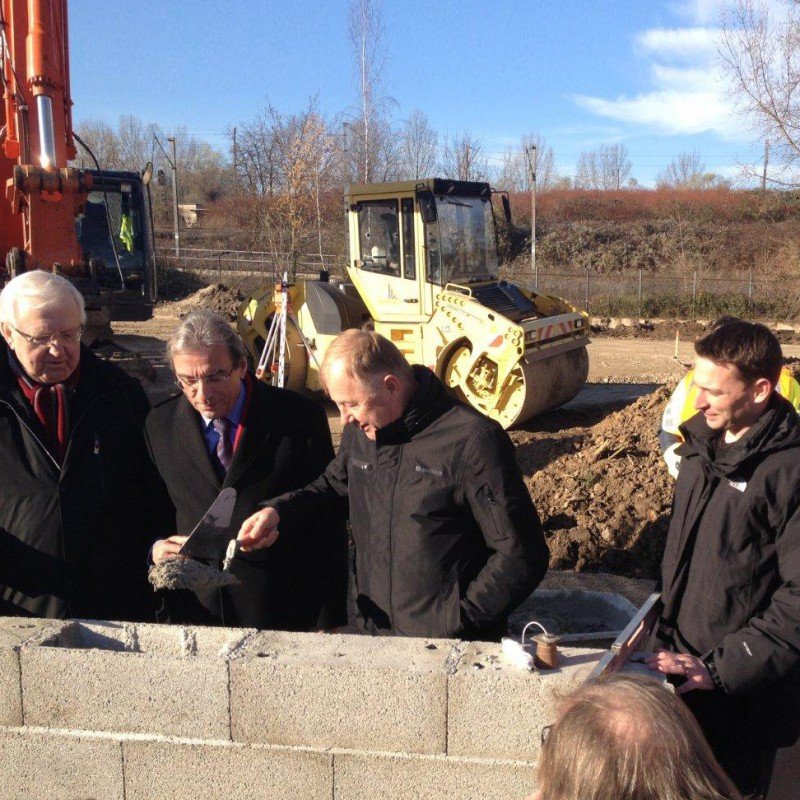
[
  {"x": 65, "y": 337},
  {"x": 215, "y": 379}
]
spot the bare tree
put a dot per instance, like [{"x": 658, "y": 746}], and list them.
[
  {"x": 102, "y": 140},
  {"x": 760, "y": 53},
  {"x": 687, "y": 171},
  {"x": 606, "y": 168},
  {"x": 256, "y": 160},
  {"x": 515, "y": 173},
  {"x": 366, "y": 35},
  {"x": 129, "y": 147},
  {"x": 418, "y": 147},
  {"x": 463, "y": 158}
]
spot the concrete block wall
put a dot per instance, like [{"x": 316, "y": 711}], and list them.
[{"x": 111, "y": 710}]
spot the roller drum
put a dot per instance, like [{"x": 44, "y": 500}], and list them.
[{"x": 537, "y": 386}]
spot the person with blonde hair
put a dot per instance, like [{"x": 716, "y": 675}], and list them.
[{"x": 628, "y": 738}]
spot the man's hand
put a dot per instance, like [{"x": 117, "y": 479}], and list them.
[
  {"x": 691, "y": 667},
  {"x": 260, "y": 530},
  {"x": 167, "y": 548}
]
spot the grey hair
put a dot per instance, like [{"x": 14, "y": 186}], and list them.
[
  {"x": 203, "y": 329},
  {"x": 37, "y": 289}
]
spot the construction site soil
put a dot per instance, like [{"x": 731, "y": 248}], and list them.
[
  {"x": 593, "y": 467},
  {"x": 217, "y": 297}
]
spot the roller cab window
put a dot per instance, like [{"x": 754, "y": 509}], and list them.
[
  {"x": 460, "y": 242},
  {"x": 379, "y": 236}
]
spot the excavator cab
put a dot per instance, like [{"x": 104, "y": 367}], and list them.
[{"x": 115, "y": 236}]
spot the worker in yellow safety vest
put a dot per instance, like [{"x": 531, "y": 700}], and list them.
[{"x": 681, "y": 407}]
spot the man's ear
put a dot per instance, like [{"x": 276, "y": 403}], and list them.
[
  {"x": 5, "y": 328},
  {"x": 763, "y": 390},
  {"x": 392, "y": 383}
]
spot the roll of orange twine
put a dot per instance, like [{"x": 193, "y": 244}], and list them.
[{"x": 546, "y": 656}]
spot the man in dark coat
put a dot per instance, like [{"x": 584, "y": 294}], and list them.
[
  {"x": 447, "y": 539},
  {"x": 227, "y": 429},
  {"x": 731, "y": 570},
  {"x": 78, "y": 494}
]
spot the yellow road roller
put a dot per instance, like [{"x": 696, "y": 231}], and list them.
[{"x": 423, "y": 272}]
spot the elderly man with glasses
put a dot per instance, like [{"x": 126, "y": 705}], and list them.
[
  {"x": 226, "y": 429},
  {"x": 79, "y": 498}
]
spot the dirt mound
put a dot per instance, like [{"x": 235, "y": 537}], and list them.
[
  {"x": 217, "y": 297},
  {"x": 604, "y": 496}
]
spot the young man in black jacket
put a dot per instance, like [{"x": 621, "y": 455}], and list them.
[
  {"x": 447, "y": 539},
  {"x": 731, "y": 570}
]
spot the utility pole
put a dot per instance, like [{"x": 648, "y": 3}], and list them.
[
  {"x": 235, "y": 163},
  {"x": 174, "y": 165},
  {"x": 173, "y": 162},
  {"x": 532, "y": 164},
  {"x": 766, "y": 161}
]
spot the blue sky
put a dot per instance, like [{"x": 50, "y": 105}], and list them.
[{"x": 582, "y": 73}]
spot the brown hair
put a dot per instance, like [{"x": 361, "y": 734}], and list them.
[
  {"x": 749, "y": 346},
  {"x": 628, "y": 738},
  {"x": 366, "y": 356}
]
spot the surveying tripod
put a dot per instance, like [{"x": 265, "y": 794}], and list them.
[{"x": 273, "y": 356}]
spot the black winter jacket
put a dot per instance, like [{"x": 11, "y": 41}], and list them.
[
  {"x": 731, "y": 568},
  {"x": 447, "y": 539},
  {"x": 74, "y": 540},
  {"x": 299, "y": 583}
]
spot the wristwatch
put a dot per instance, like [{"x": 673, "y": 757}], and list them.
[{"x": 708, "y": 660}]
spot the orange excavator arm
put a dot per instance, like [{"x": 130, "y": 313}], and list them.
[{"x": 43, "y": 194}]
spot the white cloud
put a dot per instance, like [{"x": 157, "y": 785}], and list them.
[
  {"x": 669, "y": 112},
  {"x": 690, "y": 44},
  {"x": 688, "y": 95}
]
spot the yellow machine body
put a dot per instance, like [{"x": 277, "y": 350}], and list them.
[{"x": 423, "y": 272}]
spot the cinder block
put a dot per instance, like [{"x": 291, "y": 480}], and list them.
[
  {"x": 38, "y": 765},
  {"x": 496, "y": 710},
  {"x": 105, "y": 676},
  {"x": 203, "y": 771},
  {"x": 392, "y": 776},
  {"x": 13, "y": 632},
  {"x": 345, "y": 691}
]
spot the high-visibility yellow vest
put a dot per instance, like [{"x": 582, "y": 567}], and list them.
[{"x": 126, "y": 232}]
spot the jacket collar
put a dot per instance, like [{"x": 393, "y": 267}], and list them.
[
  {"x": 427, "y": 404},
  {"x": 776, "y": 429},
  {"x": 259, "y": 426}
]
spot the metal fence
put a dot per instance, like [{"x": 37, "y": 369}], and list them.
[
  {"x": 246, "y": 270},
  {"x": 691, "y": 294},
  {"x": 634, "y": 293}
]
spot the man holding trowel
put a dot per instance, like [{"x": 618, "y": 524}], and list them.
[
  {"x": 447, "y": 539},
  {"x": 227, "y": 431}
]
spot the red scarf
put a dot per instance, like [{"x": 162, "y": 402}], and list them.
[{"x": 50, "y": 403}]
